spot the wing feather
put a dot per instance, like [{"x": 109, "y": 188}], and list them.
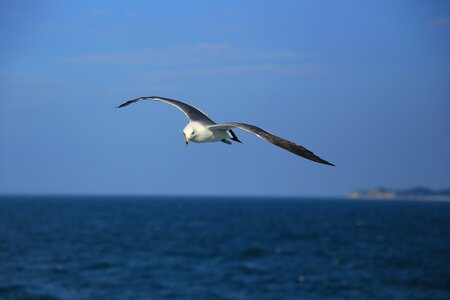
[
  {"x": 194, "y": 114},
  {"x": 276, "y": 140}
]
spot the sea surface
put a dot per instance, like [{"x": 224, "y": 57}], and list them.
[{"x": 222, "y": 248}]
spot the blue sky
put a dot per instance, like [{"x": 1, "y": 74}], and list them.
[{"x": 363, "y": 84}]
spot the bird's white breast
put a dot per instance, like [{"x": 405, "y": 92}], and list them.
[{"x": 204, "y": 135}]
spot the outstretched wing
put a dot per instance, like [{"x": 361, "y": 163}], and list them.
[
  {"x": 278, "y": 141},
  {"x": 194, "y": 114}
]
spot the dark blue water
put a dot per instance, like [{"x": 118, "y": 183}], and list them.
[{"x": 225, "y": 248}]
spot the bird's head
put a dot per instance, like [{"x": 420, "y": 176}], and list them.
[{"x": 189, "y": 133}]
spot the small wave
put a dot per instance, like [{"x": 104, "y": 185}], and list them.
[
  {"x": 5, "y": 290},
  {"x": 100, "y": 266},
  {"x": 58, "y": 269},
  {"x": 20, "y": 292},
  {"x": 40, "y": 297},
  {"x": 251, "y": 268},
  {"x": 399, "y": 262},
  {"x": 283, "y": 251},
  {"x": 253, "y": 252}
]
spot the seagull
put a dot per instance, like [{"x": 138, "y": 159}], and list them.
[{"x": 201, "y": 129}]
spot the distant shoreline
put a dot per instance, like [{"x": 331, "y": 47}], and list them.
[{"x": 415, "y": 194}]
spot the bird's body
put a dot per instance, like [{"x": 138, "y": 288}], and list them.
[
  {"x": 201, "y": 133},
  {"x": 201, "y": 129}
]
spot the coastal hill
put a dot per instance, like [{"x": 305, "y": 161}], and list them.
[{"x": 418, "y": 193}]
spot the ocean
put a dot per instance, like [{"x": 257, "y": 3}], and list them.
[{"x": 222, "y": 248}]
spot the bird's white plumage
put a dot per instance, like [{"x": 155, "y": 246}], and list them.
[{"x": 200, "y": 133}]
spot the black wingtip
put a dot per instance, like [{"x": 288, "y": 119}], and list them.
[
  {"x": 128, "y": 103},
  {"x": 327, "y": 163},
  {"x": 321, "y": 161}
]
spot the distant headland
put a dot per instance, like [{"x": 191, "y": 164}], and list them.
[{"x": 418, "y": 193}]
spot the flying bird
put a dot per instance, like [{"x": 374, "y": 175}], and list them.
[{"x": 201, "y": 129}]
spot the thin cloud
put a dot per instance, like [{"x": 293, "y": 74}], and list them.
[
  {"x": 195, "y": 54},
  {"x": 237, "y": 70},
  {"x": 209, "y": 60},
  {"x": 440, "y": 22}
]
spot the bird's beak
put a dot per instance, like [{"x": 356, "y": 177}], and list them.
[{"x": 187, "y": 140}]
